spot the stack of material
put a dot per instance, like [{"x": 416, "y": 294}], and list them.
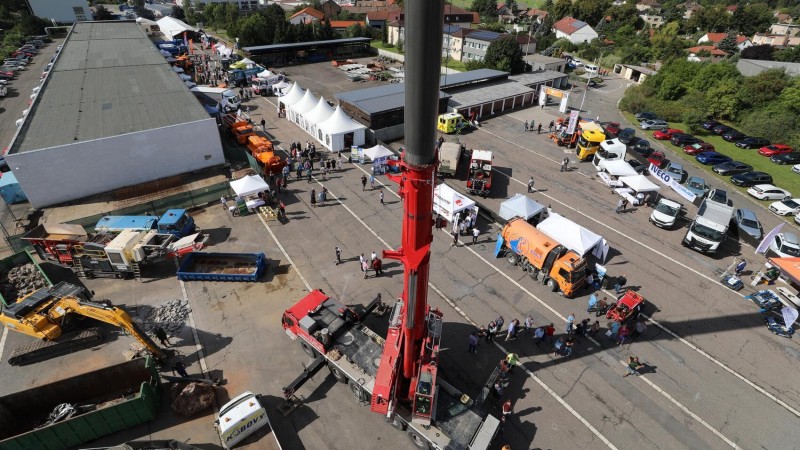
[
  {"x": 171, "y": 317},
  {"x": 20, "y": 281},
  {"x": 191, "y": 398}
]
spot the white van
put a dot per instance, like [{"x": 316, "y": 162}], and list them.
[
  {"x": 239, "y": 418},
  {"x": 591, "y": 68}
]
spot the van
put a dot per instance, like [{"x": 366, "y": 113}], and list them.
[
  {"x": 240, "y": 418},
  {"x": 591, "y": 68}
]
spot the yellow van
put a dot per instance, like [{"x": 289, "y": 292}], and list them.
[{"x": 451, "y": 123}]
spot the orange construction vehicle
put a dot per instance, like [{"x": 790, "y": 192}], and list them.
[
  {"x": 238, "y": 128},
  {"x": 261, "y": 148}
]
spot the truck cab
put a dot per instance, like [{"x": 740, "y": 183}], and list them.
[
  {"x": 451, "y": 123},
  {"x": 710, "y": 228},
  {"x": 479, "y": 181},
  {"x": 592, "y": 134},
  {"x": 610, "y": 150},
  {"x": 176, "y": 222}
]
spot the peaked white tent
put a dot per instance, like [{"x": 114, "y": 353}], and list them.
[
  {"x": 520, "y": 206},
  {"x": 306, "y": 104},
  {"x": 249, "y": 185},
  {"x": 341, "y": 132},
  {"x": 282, "y": 88},
  {"x": 447, "y": 202},
  {"x": 172, "y": 27},
  {"x": 639, "y": 183},
  {"x": 319, "y": 114},
  {"x": 378, "y": 152},
  {"x": 619, "y": 168},
  {"x": 294, "y": 95},
  {"x": 573, "y": 236}
]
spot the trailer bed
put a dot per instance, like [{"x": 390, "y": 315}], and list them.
[{"x": 200, "y": 266}]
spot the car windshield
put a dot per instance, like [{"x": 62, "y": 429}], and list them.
[
  {"x": 749, "y": 223},
  {"x": 707, "y": 233},
  {"x": 667, "y": 209},
  {"x": 696, "y": 185},
  {"x": 719, "y": 196},
  {"x": 791, "y": 204},
  {"x": 789, "y": 250}
]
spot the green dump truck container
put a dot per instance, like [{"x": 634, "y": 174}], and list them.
[
  {"x": 8, "y": 293},
  {"x": 124, "y": 395}
]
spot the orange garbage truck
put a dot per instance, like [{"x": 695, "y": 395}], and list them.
[
  {"x": 541, "y": 256},
  {"x": 262, "y": 150},
  {"x": 238, "y": 128}
]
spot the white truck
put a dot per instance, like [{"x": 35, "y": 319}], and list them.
[
  {"x": 449, "y": 158},
  {"x": 610, "y": 150},
  {"x": 710, "y": 227},
  {"x": 226, "y": 99},
  {"x": 263, "y": 86},
  {"x": 240, "y": 418}
]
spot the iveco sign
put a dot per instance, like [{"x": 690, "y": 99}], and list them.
[{"x": 667, "y": 180}]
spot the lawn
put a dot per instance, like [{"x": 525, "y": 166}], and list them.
[{"x": 782, "y": 176}]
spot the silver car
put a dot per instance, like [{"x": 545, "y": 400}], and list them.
[
  {"x": 748, "y": 226},
  {"x": 654, "y": 124}
]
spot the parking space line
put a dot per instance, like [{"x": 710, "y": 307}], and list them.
[{"x": 3, "y": 342}]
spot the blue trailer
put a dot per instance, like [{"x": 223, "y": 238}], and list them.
[
  {"x": 199, "y": 266},
  {"x": 242, "y": 77},
  {"x": 174, "y": 221}
]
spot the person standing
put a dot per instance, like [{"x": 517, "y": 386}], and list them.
[
  {"x": 363, "y": 183},
  {"x": 282, "y": 209},
  {"x": 531, "y": 127},
  {"x": 538, "y": 336},
  {"x": 634, "y": 366},
  {"x": 528, "y": 324},
  {"x": 181, "y": 369},
  {"x": 377, "y": 266},
  {"x": 570, "y": 322},
  {"x": 550, "y": 331},
  {"x": 621, "y": 282},
  {"x": 473, "y": 343},
  {"x": 507, "y": 408},
  {"x": 381, "y": 196},
  {"x": 638, "y": 329},
  {"x": 491, "y": 331},
  {"x": 373, "y": 256},
  {"x": 263, "y": 125},
  {"x": 526, "y": 124},
  {"x": 550, "y": 128},
  {"x": 224, "y": 202},
  {"x": 564, "y": 164},
  {"x": 361, "y": 260},
  {"x": 512, "y": 330},
  {"x": 161, "y": 335},
  {"x": 475, "y": 233},
  {"x": 372, "y": 181},
  {"x": 539, "y": 128},
  {"x": 530, "y": 185},
  {"x": 338, "y": 255},
  {"x": 313, "y": 198},
  {"x": 512, "y": 359},
  {"x": 365, "y": 268},
  {"x": 740, "y": 267},
  {"x": 619, "y": 206}
]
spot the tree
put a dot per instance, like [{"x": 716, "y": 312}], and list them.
[
  {"x": 505, "y": 54},
  {"x": 666, "y": 43},
  {"x": 790, "y": 97},
  {"x": 710, "y": 74},
  {"x": 102, "y": 13},
  {"x": 761, "y": 52},
  {"x": 723, "y": 101},
  {"x": 561, "y": 9},
  {"x": 728, "y": 44},
  {"x": 791, "y": 54},
  {"x": 752, "y": 18},
  {"x": 497, "y": 27},
  {"x": 591, "y": 11},
  {"x": 474, "y": 64},
  {"x": 251, "y": 31},
  {"x": 485, "y": 8},
  {"x": 757, "y": 91},
  {"x": 177, "y": 12},
  {"x": 714, "y": 19}
]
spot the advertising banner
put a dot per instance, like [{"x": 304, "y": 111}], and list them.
[{"x": 667, "y": 180}]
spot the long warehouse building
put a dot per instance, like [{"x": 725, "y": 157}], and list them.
[{"x": 112, "y": 113}]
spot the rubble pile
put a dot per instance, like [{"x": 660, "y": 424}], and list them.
[
  {"x": 20, "y": 281},
  {"x": 171, "y": 317},
  {"x": 192, "y": 398}
]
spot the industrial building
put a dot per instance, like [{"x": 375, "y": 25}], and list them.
[
  {"x": 110, "y": 114},
  {"x": 62, "y": 11}
]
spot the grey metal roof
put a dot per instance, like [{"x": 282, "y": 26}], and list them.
[
  {"x": 537, "y": 77},
  {"x": 483, "y": 35},
  {"x": 536, "y": 57},
  {"x": 453, "y": 80},
  {"x": 108, "y": 80},
  {"x": 332, "y": 42},
  {"x": 486, "y": 93},
  {"x": 378, "y": 99}
]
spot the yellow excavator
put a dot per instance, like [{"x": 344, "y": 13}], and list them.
[{"x": 48, "y": 312}]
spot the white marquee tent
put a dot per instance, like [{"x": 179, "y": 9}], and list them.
[
  {"x": 619, "y": 168},
  {"x": 306, "y": 104},
  {"x": 447, "y": 202},
  {"x": 249, "y": 185},
  {"x": 171, "y": 27},
  {"x": 520, "y": 206},
  {"x": 639, "y": 183},
  {"x": 294, "y": 95},
  {"x": 282, "y": 88},
  {"x": 378, "y": 152},
  {"x": 574, "y": 236},
  {"x": 317, "y": 115},
  {"x": 341, "y": 132}
]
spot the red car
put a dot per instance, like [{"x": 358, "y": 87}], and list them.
[
  {"x": 700, "y": 147},
  {"x": 613, "y": 128},
  {"x": 665, "y": 134},
  {"x": 775, "y": 149},
  {"x": 658, "y": 159}
]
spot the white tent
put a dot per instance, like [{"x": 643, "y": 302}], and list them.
[
  {"x": 296, "y": 110},
  {"x": 172, "y": 27},
  {"x": 264, "y": 73},
  {"x": 294, "y": 95},
  {"x": 249, "y": 185},
  {"x": 378, "y": 152},
  {"x": 319, "y": 114},
  {"x": 447, "y": 202},
  {"x": 639, "y": 183},
  {"x": 248, "y": 61},
  {"x": 520, "y": 206},
  {"x": 573, "y": 236},
  {"x": 340, "y": 131},
  {"x": 282, "y": 88},
  {"x": 619, "y": 168}
]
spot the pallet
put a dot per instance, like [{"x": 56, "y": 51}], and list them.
[{"x": 269, "y": 213}]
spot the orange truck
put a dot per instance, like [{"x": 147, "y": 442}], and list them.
[
  {"x": 542, "y": 257},
  {"x": 261, "y": 148},
  {"x": 237, "y": 128}
]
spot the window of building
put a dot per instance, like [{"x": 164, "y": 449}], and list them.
[{"x": 80, "y": 14}]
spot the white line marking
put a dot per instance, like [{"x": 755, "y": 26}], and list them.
[
  {"x": 197, "y": 346},
  {"x": 288, "y": 258},
  {"x": 3, "y": 342}
]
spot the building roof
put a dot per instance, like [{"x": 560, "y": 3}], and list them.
[
  {"x": 533, "y": 12},
  {"x": 464, "y": 32},
  {"x": 792, "y": 69},
  {"x": 450, "y": 29},
  {"x": 536, "y": 57},
  {"x": 650, "y": 3},
  {"x": 709, "y": 48},
  {"x": 569, "y": 25},
  {"x": 108, "y": 80},
  {"x": 483, "y": 35},
  {"x": 383, "y": 15},
  {"x": 524, "y": 39},
  {"x": 731, "y": 8},
  {"x": 319, "y": 15},
  {"x": 378, "y": 99},
  {"x": 453, "y": 80},
  {"x": 345, "y": 23},
  {"x": 537, "y": 77},
  {"x": 645, "y": 70},
  {"x": 294, "y": 45},
  {"x": 716, "y": 37},
  {"x": 467, "y": 96}
]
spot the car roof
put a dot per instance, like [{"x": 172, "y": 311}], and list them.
[
  {"x": 747, "y": 214},
  {"x": 669, "y": 202},
  {"x": 675, "y": 164},
  {"x": 695, "y": 178},
  {"x": 767, "y": 187}
]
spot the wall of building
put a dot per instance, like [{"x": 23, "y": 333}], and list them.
[
  {"x": 66, "y": 11},
  {"x": 59, "y": 174}
]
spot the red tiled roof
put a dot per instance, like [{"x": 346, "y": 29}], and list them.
[
  {"x": 319, "y": 15},
  {"x": 566, "y": 25},
  {"x": 709, "y": 48},
  {"x": 716, "y": 37},
  {"x": 345, "y": 23},
  {"x": 731, "y": 7},
  {"x": 378, "y": 15},
  {"x": 533, "y": 12}
]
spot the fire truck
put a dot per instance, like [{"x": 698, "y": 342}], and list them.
[{"x": 479, "y": 181}]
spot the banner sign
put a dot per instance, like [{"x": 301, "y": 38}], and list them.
[
  {"x": 667, "y": 180},
  {"x": 573, "y": 121}
]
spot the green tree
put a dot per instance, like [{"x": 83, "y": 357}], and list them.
[
  {"x": 505, "y": 54},
  {"x": 723, "y": 101},
  {"x": 474, "y": 64},
  {"x": 791, "y": 54},
  {"x": 399, "y": 45},
  {"x": 671, "y": 88},
  {"x": 251, "y": 31},
  {"x": 485, "y": 8},
  {"x": 759, "y": 90},
  {"x": 710, "y": 74},
  {"x": 666, "y": 43},
  {"x": 728, "y": 44},
  {"x": 773, "y": 122},
  {"x": 713, "y": 18},
  {"x": 177, "y": 12},
  {"x": 752, "y": 18},
  {"x": 790, "y": 97},
  {"x": 590, "y": 11},
  {"x": 497, "y": 27},
  {"x": 102, "y": 13},
  {"x": 191, "y": 16},
  {"x": 561, "y": 9},
  {"x": 231, "y": 15}
]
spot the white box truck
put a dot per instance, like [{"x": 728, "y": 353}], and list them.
[{"x": 710, "y": 227}]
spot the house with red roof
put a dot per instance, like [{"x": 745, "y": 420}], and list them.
[
  {"x": 742, "y": 42},
  {"x": 339, "y": 26},
  {"x": 536, "y": 14},
  {"x": 698, "y": 53},
  {"x": 574, "y": 30},
  {"x": 306, "y": 15}
]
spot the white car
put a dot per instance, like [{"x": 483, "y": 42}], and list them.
[
  {"x": 768, "y": 192},
  {"x": 796, "y": 168},
  {"x": 666, "y": 213},
  {"x": 786, "y": 207},
  {"x": 785, "y": 245}
]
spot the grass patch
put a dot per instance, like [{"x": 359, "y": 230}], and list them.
[
  {"x": 455, "y": 65},
  {"x": 382, "y": 46}
]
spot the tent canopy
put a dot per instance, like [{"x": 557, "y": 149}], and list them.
[
  {"x": 378, "y": 152},
  {"x": 339, "y": 123},
  {"x": 520, "y": 206},
  {"x": 639, "y": 183},
  {"x": 249, "y": 185},
  {"x": 570, "y": 234},
  {"x": 789, "y": 266},
  {"x": 294, "y": 95},
  {"x": 448, "y": 202},
  {"x": 172, "y": 27},
  {"x": 306, "y": 104},
  {"x": 283, "y": 85},
  {"x": 619, "y": 168},
  {"x": 319, "y": 113}
]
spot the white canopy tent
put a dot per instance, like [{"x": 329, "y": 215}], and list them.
[
  {"x": 639, "y": 183},
  {"x": 248, "y": 61},
  {"x": 223, "y": 50},
  {"x": 619, "y": 168},
  {"x": 378, "y": 152},
  {"x": 574, "y": 237},
  {"x": 341, "y": 132},
  {"x": 521, "y": 206},
  {"x": 447, "y": 202},
  {"x": 319, "y": 114},
  {"x": 282, "y": 88},
  {"x": 249, "y": 185},
  {"x": 294, "y": 95},
  {"x": 306, "y": 104},
  {"x": 172, "y": 27}
]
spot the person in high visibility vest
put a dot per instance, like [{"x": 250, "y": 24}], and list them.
[{"x": 513, "y": 360}]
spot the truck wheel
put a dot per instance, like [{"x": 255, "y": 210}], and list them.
[
  {"x": 311, "y": 351},
  {"x": 513, "y": 258},
  {"x": 398, "y": 424},
  {"x": 418, "y": 440},
  {"x": 525, "y": 264},
  {"x": 551, "y": 284},
  {"x": 118, "y": 275},
  {"x": 338, "y": 374},
  {"x": 88, "y": 275}
]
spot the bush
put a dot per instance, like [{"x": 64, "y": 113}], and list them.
[
  {"x": 694, "y": 120},
  {"x": 772, "y": 122}
]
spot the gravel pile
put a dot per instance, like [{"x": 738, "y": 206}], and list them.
[
  {"x": 171, "y": 317},
  {"x": 20, "y": 281}
]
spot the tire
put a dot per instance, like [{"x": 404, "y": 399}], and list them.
[
  {"x": 118, "y": 275},
  {"x": 338, "y": 374},
  {"x": 513, "y": 258},
  {"x": 88, "y": 275},
  {"x": 398, "y": 424},
  {"x": 552, "y": 285},
  {"x": 311, "y": 351},
  {"x": 525, "y": 264},
  {"x": 418, "y": 440}
]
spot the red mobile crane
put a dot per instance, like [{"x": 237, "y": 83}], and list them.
[{"x": 406, "y": 386}]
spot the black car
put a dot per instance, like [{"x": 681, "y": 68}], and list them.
[
  {"x": 684, "y": 139},
  {"x": 626, "y": 136},
  {"x": 732, "y": 168},
  {"x": 642, "y": 147},
  {"x": 646, "y": 116},
  {"x": 786, "y": 158},
  {"x": 721, "y": 129},
  {"x": 710, "y": 124},
  {"x": 752, "y": 142},
  {"x": 733, "y": 136},
  {"x": 638, "y": 166},
  {"x": 748, "y": 179}
]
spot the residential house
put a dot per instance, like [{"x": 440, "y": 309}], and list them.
[
  {"x": 742, "y": 42},
  {"x": 647, "y": 5},
  {"x": 654, "y": 20},
  {"x": 730, "y": 9},
  {"x": 379, "y": 19},
  {"x": 340, "y": 26},
  {"x": 306, "y": 15},
  {"x": 503, "y": 10},
  {"x": 783, "y": 18},
  {"x": 527, "y": 43},
  {"x": 697, "y": 54},
  {"x": 476, "y": 43},
  {"x": 541, "y": 62},
  {"x": 776, "y": 40},
  {"x": 453, "y": 15},
  {"x": 453, "y": 41},
  {"x": 330, "y": 8},
  {"x": 536, "y": 15},
  {"x": 574, "y": 30},
  {"x": 784, "y": 29},
  {"x": 690, "y": 8}
]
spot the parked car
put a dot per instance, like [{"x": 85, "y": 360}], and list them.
[
  {"x": 786, "y": 245},
  {"x": 786, "y": 207},
  {"x": 642, "y": 147},
  {"x": 786, "y": 158},
  {"x": 796, "y": 168},
  {"x": 684, "y": 139},
  {"x": 657, "y": 159},
  {"x": 666, "y": 213},
  {"x": 676, "y": 171},
  {"x": 626, "y": 136},
  {"x": 710, "y": 158},
  {"x": 747, "y": 225},
  {"x": 751, "y": 179},
  {"x": 697, "y": 148},
  {"x": 710, "y": 124},
  {"x": 612, "y": 128},
  {"x": 638, "y": 166},
  {"x": 774, "y": 149},
  {"x": 698, "y": 186},
  {"x": 732, "y": 168},
  {"x": 651, "y": 124},
  {"x": 665, "y": 134},
  {"x": 721, "y": 129},
  {"x": 733, "y": 136},
  {"x": 719, "y": 196},
  {"x": 646, "y": 116},
  {"x": 752, "y": 142},
  {"x": 768, "y": 192}
]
